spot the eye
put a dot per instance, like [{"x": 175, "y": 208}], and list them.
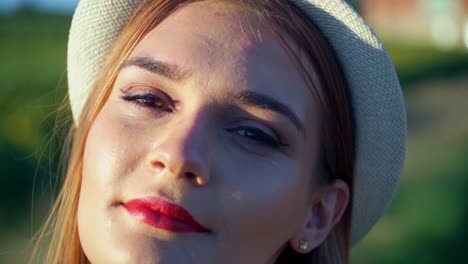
[
  {"x": 149, "y": 100},
  {"x": 258, "y": 135}
]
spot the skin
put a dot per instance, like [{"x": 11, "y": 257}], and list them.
[{"x": 195, "y": 148}]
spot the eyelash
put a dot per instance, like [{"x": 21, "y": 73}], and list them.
[
  {"x": 262, "y": 137},
  {"x": 150, "y": 100}
]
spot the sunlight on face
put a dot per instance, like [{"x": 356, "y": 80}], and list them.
[{"x": 211, "y": 114}]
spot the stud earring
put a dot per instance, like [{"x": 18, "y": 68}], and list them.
[{"x": 303, "y": 244}]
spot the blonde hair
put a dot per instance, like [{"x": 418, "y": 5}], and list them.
[{"x": 289, "y": 23}]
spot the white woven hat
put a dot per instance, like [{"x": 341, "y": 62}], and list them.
[{"x": 376, "y": 96}]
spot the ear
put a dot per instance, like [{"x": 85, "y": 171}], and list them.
[{"x": 326, "y": 209}]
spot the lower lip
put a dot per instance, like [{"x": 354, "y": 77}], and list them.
[{"x": 160, "y": 221}]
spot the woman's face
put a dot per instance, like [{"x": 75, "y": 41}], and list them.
[{"x": 211, "y": 114}]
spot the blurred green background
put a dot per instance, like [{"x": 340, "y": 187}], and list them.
[{"x": 427, "y": 222}]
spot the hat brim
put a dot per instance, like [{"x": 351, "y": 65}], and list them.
[{"x": 376, "y": 96}]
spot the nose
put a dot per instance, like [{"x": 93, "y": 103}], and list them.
[{"x": 183, "y": 152}]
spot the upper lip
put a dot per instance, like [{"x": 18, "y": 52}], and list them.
[{"x": 160, "y": 205}]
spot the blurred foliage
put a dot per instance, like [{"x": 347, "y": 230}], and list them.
[
  {"x": 425, "y": 224},
  {"x": 32, "y": 87},
  {"x": 415, "y": 62}
]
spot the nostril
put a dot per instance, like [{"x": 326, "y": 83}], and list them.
[
  {"x": 190, "y": 175},
  {"x": 196, "y": 178},
  {"x": 157, "y": 165}
]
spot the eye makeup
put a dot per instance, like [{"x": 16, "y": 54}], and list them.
[{"x": 152, "y": 100}]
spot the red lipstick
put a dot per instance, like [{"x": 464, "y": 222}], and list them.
[{"x": 159, "y": 213}]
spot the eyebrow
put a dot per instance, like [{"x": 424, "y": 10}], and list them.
[
  {"x": 170, "y": 71},
  {"x": 265, "y": 102},
  {"x": 250, "y": 98}
]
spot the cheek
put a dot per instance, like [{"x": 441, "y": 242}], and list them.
[
  {"x": 103, "y": 158},
  {"x": 111, "y": 152},
  {"x": 263, "y": 199},
  {"x": 107, "y": 157}
]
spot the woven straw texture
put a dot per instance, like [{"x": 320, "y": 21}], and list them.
[{"x": 376, "y": 97}]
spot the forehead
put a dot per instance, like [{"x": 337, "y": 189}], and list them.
[{"x": 226, "y": 46}]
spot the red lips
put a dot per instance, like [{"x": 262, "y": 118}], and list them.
[{"x": 159, "y": 213}]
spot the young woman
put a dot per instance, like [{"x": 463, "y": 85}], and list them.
[{"x": 248, "y": 131}]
